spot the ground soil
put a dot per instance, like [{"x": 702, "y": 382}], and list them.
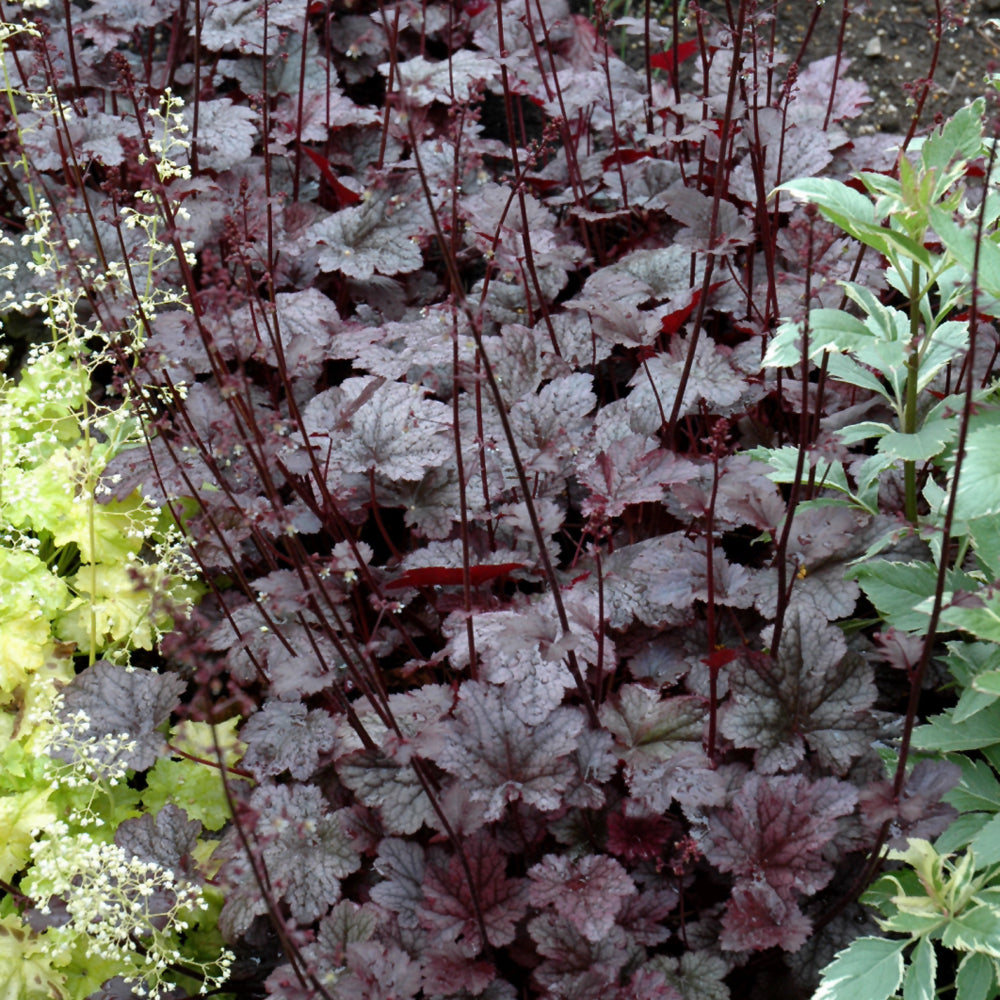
[{"x": 890, "y": 43}]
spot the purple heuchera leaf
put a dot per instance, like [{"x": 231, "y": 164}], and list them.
[
  {"x": 300, "y": 661},
  {"x": 632, "y": 470},
  {"x": 647, "y": 726},
  {"x": 811, "y": 97},
  {"x": 448, "y": 970},
  {"x": 226, "y": 132},
  {"x": 132, "y": 703},
  {"x": 453, "y": 908},
  {"x": 391, "y": 788},
  {"x": 697, "y": 974},
  {"x": 447, "y": 80},
  {"x": 588, "y": 892},
  {"x": 286, "y": 737},
  {"x": 773, "y": 838},
  {"x": 777, "y": 827},
  {"x": 401, "y": 864},
  {"x": 374, "y": 236},
  {"x": 305, "y": 852},
  {"x": 687, "y": 778},
  {"x": 240, "y": 24},
  {"x": 649, "y": 983},
  {"x": 166, "y": 837},
  {"x": 378, "y": 972},
  {"x": 918, "y": 811},
  {"x": 367, "y": 423},
  {"x": 814, "y": 693},
  {"x": 712, "y": 381},
  {"x": 759, "y": 917},
  {"x": 501, "y": 759},
  {"x": 575, "y": 966}
]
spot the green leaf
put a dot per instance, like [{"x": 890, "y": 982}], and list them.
[
  {"x": 26, "y": 967},
  {"x": 988, "y": 682},
  {"x": 942, "y": 733},
  {"x": 784, "y": 460},
  {"x": 870, "y": 967},
  {"x": 829, "y": 330},
  {"x": 976, "y": 929},
  {"x": 978, "y": 789},
  {"x": 982, "y": 622},
  {"x": 985, "y": 535},
  {"x": 846, "y": 369},
  {"x": 961, "y": 242},
  {"x": 896, "y": 588},
  {"x": 921, "y": 973},
  {"x": 977, "y": 978},
  {"x": 862, "y": 431},
  {"x": 961, "y": 832},
  {"x": 20, "y": 816},
  {"x": 986, "y": 844},
  {"x": 960, "y": 138},
  {"x": 967, "y": 660},
  {"x": 925, "y": 444},
  {"x": 979, "y": 483},
  {"x": 195, "y": 788}
]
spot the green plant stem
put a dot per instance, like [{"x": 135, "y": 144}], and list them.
[{"x": 910, "y": 406}]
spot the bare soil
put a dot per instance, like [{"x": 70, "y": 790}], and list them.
[{"x": 890, "y": 45}]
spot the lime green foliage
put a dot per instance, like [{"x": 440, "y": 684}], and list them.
[
  {"x": 946, "y": 895},
  {"x": 183, "y": 778},
  {"x": 83, "y": 577},
  {"x": 79, "y": 579}
]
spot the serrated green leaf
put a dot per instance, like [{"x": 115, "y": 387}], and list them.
[
  {"x": 988, "y": 682},
  {"x": 977, "y": 978},
  {"x": 846, "y": 369},
  {"x": 942, "y": 733},
  {"x": 869, "y": 967},
  {"x": 921, "y": 972},
  {"x": 979, "y": 484},
  {"x": 976, "y": 929},
  {"x": 962, "y": 243},
  {"x": 986, "y": 844},
  {"x": 27, "y": 969},
  {"x": 863, "y": 430},
  {"x": 961, "y": 832},
  {"x": 20, "y": 816},
  {"x": 960, "y": 138},
  {"x": 784, "y": 460},
  {"x": 829, "y": 330},
  {"x": 895, "y": 588},
  {"x": 985, "y": 535},
  {"x": 978, "y": 789},
  {"x": 925, "y": 444},
  {"x": 196, "y": 788},
  {"x": 971, "y": 701},
  {"x": 982, "y": 622}
]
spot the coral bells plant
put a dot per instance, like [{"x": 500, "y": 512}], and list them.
[{"x": 438, "y": 333}]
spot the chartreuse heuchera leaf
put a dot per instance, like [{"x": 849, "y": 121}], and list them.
[{"x": 85, "y": 581}]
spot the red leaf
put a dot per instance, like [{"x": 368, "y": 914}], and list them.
[
  {"x": 450, "y": 576},
  {"x": 719, "y": 658},
  {"x": 665, "y": 60},
  {"x": 344, "y": 194},
  {"x": 672, "y": 322},
  {"x": 623, "y": 156}
]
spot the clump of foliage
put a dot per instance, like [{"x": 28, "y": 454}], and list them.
[
  {"x": 445, "y": 327},
  {"x": 91, "y": 891}
]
